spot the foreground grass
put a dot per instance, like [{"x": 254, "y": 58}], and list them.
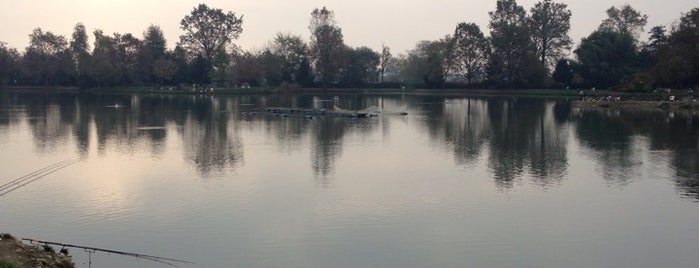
[{"x": 5, "y": 264}]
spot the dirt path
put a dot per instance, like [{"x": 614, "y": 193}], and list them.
[{"x": 14, "y": 252}]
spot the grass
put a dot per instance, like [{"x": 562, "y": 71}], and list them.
[{"x": 5, "y": 264}]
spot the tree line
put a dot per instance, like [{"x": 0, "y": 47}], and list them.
[{"x": 524, "y": 49}]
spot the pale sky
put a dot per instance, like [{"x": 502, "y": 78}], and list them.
[{"x": 399, "y": 24}]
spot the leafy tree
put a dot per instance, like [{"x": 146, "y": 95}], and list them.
[
  {"x": 208, "y": 31},
  {"x": 47, "y": 60},
  {"x": 361, "y": 67},
  {"x": 625, "y": 20},
  {"x": 79, "y": 47},
  {"x": 606, "y": 58},
  {"x": 550, "y": 24},
  {"x": 512, "y": 62},
  {"x": 9, "y": 65},
  {"x": 289, "y": 52},
  {"x": 127, "y": 60},
  {"x": 104, "y": 69},
  {"x": 164, "y": 70},
  {"x": 247, "y": 68},
  {"x": 470, "y": 52},
  {"x": 563, "y": 73},
  {"x": 154, "y": 41},
  {"x": 678, "y": 61},
  {"x": 385, "y": 61},
  {"x": 327, "y": 45},
  {"x": 153, "y": 51},
  {"x": 427, "y": 64},
  {"x": 658, "y": 38}
]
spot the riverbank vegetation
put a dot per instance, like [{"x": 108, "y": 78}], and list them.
[{"x": 521, "y": 49}]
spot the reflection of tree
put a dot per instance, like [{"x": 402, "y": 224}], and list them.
[
  {"x": 466, "y": 128},
  {"x": 326, "y": 146},
  {"x": 513, "y": 126},
  {"x": 548, "y": 153},
  {"x": 211, "y": 140},
  {"x": 610, "y": 138}
]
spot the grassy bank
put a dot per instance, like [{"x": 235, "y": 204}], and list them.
[{"x": 547, "y": 93}]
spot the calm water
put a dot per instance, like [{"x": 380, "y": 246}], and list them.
[{"x": 459, "y": 182}]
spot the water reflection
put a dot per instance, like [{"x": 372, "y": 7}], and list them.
[{"x": 518, "y": 140}]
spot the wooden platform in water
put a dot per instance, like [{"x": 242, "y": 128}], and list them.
[{"x": 283, "y": 111}]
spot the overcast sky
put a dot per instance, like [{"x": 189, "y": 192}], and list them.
[{"x": 399, "y": 24}]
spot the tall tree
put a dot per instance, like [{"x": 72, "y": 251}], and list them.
[
  {"x": 427, "y": 64},
  {"x": 678, "y": 61},
  {"x": 625, "y": 20},
  {"x": 550, "y": 24},
  {"x": 327, "y": 45},
  {"x": 103, "y": 67},
  {"x": 563, "y": 73},
  {"x": 9, "y": 65},
  {"x": 512, "y": 62},
  {"x": 153, "y": 54},
  {"x": 290, "y": 51},
  {"x": 361, "y": 68},
  {"x": 606, "y": 58},
  {"x": 47, "y": 60},
  {"x": 386, "y": 61},
  {"x": 208, "y": 31},
  {"x": 79, "y": 47},
  {"x": 470, "y": 52}
]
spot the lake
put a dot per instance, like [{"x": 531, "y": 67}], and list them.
[{"x": 457, "y": 182}]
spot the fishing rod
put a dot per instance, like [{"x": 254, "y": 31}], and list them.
[
  {"x": 34, "y": 176},
  {"x": 162, "y": 260}
]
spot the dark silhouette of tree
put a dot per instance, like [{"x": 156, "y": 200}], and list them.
[
  {"x": 361, "y": 68},
  {"x": 386, "y": 61},
  {"x": 625, "y": 20},
  {"x": 550, "y": 24},
  {"x": 208, "y": 31},
  {"x": 47, "y": 60},
  {"x": 512, "y": 62},
  {"x": 284, "y": 57},
  {"x": 470, "y": 52},
  {"x": 79, "y": 47},
  {"x": 9, "y": 63},
  {"x": 563, "y": 73},
  {"x": 678, "y": 61},
  {"x": 606, "y": 58},
  {"x": 327, "y": 46}
]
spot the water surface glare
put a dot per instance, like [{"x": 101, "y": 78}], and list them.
[{"x": 458, "y": 182}]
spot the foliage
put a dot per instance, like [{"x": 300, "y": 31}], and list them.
[
  {"x": 512, "y": 62},
  {"x": 9, "y": 61},
  {"x": 362, "y": 67},
  {"x": 283, "y": 59},
  {"x": 563, "y": 73},
  {"x": 624, "y": 20},
  {"x": 550, "y": 24},
  {"x": 678, "y": 61},
  {"x": 247, "y": 68},
  {"x": 209, "y": 30},
  {"x": 327, "y": 46},
  {"x": 606, "y": 58},
  {"x": 427, "y": 64},
  {"x": 47, "y": 60},
  {"x": 385, "y": 61},
  {"x": 470, "y": 52}
]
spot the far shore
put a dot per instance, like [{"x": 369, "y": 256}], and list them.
[{"x": 568, "y": 93}]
